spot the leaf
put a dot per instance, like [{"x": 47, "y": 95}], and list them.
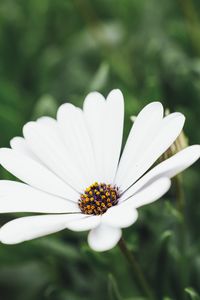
[
  {"x": 192, "y": 293},
  {"x": 113, "y": 289},
  {"x": 162, "y": 261},
  {"x": 100, "y": 77},
  {"x": 174, "y": 212},
  {"x": 46, "y": 106}
]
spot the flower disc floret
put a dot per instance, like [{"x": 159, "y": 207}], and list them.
[{"x": 98, "y": 198}]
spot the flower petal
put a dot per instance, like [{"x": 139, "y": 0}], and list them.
[
  {"x": 19, "y": 144},
  {"x": 19, "y": 197},
  {"x": 168, "y": 168},
  {"x": 168, "y": 131},
  {"x": 120, "y": 217},
  {"x": 35, "y": 174},
  {"x": 94, "y": 111},
  {"x": 72, "y": 127},
  {"x": 112, "y": 136},
  {"x": 149, "y": 194},
  {"x": 105, "y": 125},
  {"x": 45, "y": 142},
  {"x": 104, "y": 237},
  {"x": 85, "y": 224},
  {"x": 28, "y": 228},
  {"x": 140, "y": 136}
]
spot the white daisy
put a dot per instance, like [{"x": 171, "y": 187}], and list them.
[{"x": 73, "y": 173}]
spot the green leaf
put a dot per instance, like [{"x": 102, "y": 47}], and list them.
[
  {"x": 46, "y": 106},
  {"x": 174, "y": 212},
  {"x": 192, "y": 293},
  {"x": 113, "y": 289},
  {"x": 100, "y": 77}
]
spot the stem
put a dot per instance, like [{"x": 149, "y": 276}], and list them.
[
  {"x": 180, "y": 203},
  {"x": 138, "y": 274},
  {"x": 192, "y": 22},
  {"x": 179, "y": 195}
]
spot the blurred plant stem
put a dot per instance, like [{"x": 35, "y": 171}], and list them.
[
  {"x": 92, "y": 22},
  {"x": 180, "y": 202},
  {"x": 114, "y": 58},
  {"x": 179, "y": 195},
  {"x": 138, "y": 274},
  {"x": 192, "y": 22}
]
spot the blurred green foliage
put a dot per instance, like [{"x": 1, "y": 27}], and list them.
[{"x": 57, "y": 51}]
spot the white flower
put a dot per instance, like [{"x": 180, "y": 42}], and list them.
[{"x": 73, "y": 175}]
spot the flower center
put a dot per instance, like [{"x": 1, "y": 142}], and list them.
[{"x": 98, "y": 198}]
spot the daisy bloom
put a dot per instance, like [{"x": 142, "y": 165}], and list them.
[{"x": 74, "y": 173}]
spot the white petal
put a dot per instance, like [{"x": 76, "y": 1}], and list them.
[
  {"x": 168, "y": 131},
  {"x": 28, "y": 228},
  {"x": 151, "y": 193},
  {"x": 19, "y": 197},
  {"x": 112, "y": 137},
  {"x": 143, "y": 131},
  {"x": 45, "y": 142},
  {"x": 19, "y": 144},
  {"x": 84, "y": 224},
  {"x": 104, "y": 237},
  {"x": 120, "y": 217},
  {"x": 78, "y": 145},
  {"x": 105, "y": 125},
  {"x": 168, "y": 168},
  {"x": 35, "y": 174},
  {"x": 94, "y": 111}
]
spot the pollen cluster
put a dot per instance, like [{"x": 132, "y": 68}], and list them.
[{"x": 97, "y": 198}]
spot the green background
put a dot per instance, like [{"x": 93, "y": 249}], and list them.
[{"x": 57, "y": 51}]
